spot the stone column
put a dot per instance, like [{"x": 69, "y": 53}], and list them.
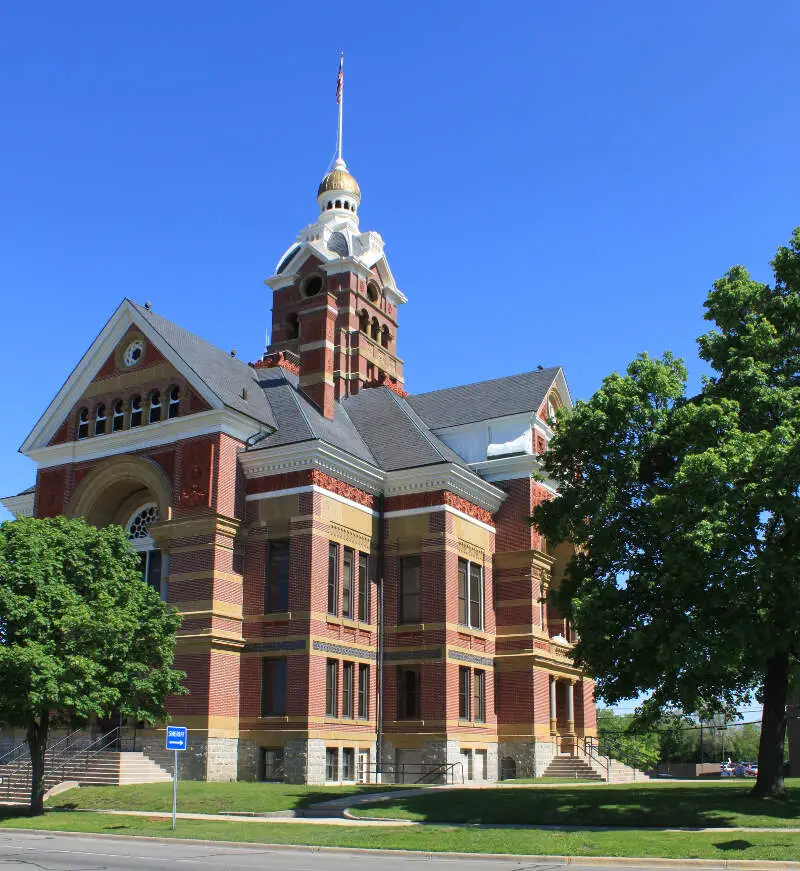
[
  {"x": 571, "y": 707},
  {"x": 553, "y": 715}
]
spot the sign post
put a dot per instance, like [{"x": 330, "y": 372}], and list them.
[{"x": 176, "y": 740}]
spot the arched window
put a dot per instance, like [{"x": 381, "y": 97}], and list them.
[
  {"x": 363, "y": 321},
  {"x": 330, "y": 204},
  {"x": 385, "y": 337},
  {"x": 155, "y": 407},
  {"x": 136, "y": 411},
  {"x": 338, "y": 204},
  {"x": 150, "y": 559},
  {"x": 174, "y": 402},
  {"x": 118, "y": 420},
  {"x": 100, "y": 419},
  {"x": 375, "y": 331},
  {"x": 292, "y": 326},
  {"x": 83, "y": 423}
]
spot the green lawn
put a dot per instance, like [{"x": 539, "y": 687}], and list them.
[
  {"x": 762, "y": 845},
  {"x": 701, "y": 804},
  {"x": 200, "y": 797}
]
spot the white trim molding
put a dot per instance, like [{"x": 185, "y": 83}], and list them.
[
  {"x": 20, "y": 505},
  {"x": 430, "y": 509},
  {"x": 310, "y": 488},
  {"x": 511, "y": 468},
  {"x": 445, "y": 476}
]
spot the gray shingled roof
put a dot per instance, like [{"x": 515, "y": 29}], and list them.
[
  {"x": 224, "y": 375},
  {"x": 298, "y": 420},
  {"x": 484, "y": 400},
  {"x": 394, "y": 432}
]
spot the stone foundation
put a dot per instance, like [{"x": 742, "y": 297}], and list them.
[{"x": 531, "y": 758}]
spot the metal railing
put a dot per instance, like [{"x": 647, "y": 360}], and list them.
[{"x": 390, "y": 772}]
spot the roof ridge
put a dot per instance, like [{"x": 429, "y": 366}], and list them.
[
  {"x": 488, "y": 381},
  {"x": 416, "y": 420}
]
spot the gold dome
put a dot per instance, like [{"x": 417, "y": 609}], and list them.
[{"x": 339, "y": 180}]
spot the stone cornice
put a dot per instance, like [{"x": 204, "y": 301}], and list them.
[
  {"x": 189, "y": 527},
  {"x": 20, "y": 505},
  {"x": 445, "y": 476}
]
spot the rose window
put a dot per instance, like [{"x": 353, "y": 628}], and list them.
[{"x": 139, "y": 524}]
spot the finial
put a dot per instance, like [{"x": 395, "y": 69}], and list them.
[{"x": 340, "y": 101}]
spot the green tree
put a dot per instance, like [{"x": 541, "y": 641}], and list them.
[
  {"x": 619, "y": 737},
  {"x": 80, "y": 632},
  {"x": 685, "y": 514}
]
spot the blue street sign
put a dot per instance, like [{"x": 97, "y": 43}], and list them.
[{"x": 176, "y": 737}]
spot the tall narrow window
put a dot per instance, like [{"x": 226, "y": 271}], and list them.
[
  {"x": 174, "y": 406},
  {"x": 363, "y": 587},
  {"x": 118, "y": 420},
  {"x": 347, "y": 583},
  {"x": 479, "y": 704},
  {"x": 475, "y": 596},
  {"x": 150, "y": 565},
  {"x": 332, "y": 688},
  {"x": 100, "y": 420},
  {"x": 273, "y": 687},
  {"x": 276, "y": 580},
  {"x": 363, "y": 691},
  {"x": 333, "y": 578},
  {"x": 463, "y": 692},
  {"x": 348, "y": 673},
  {"x": 348, "y": 763},
  {"x": 155, "y": 407},
  {"x": 410, "y": 589},
  {"x": 136, "y": 411},
  {"x": 332, "y": 763},
  {"x": 408, "y": 691},
  {"x": 83, "y": 423},
  {"x": 463, "y": 592}
]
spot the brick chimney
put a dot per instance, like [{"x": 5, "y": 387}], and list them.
[{"x": 317, "y": 336}]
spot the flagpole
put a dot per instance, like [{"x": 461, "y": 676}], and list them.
[{"x": 341, "y": 103}]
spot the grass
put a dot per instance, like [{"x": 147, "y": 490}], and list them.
[
  {"x": 200, "y": 797},
  {"x": 432, "y": 839},
  {"x": 700, "y": 805}
]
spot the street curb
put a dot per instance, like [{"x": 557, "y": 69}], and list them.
[{"x": 744, "y": 864}]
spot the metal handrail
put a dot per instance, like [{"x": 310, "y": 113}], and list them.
[{"x": 591, "y": 752}]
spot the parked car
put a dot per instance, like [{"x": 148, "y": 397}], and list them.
[{"x": 727, "y": 770}]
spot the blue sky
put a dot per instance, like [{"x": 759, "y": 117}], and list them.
[{"x": 556, "y": 183}]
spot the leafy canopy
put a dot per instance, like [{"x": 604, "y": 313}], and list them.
[
  {"x": 80, "y": 632},
  {"x": 685, "y": 511}
]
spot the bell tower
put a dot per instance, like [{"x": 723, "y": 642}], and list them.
[{"x": 334, "y": 299}]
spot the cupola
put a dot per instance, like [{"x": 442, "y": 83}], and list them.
[{"x": 338, "y": 193}]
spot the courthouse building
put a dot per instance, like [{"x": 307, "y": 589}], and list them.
[{"x": 357, "y": 576}]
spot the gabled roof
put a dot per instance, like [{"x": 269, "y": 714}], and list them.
[
  {"x": 394, "y": 432},
  {"x": 218, "y": 377},
  {"x": 297, "y": 420},
  {"x": 224, "y": 375},
  {"x": 485, "y": 400}
]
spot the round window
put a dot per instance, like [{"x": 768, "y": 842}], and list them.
[
  {"x": 313, "y": 286},
  {"x": 372, "y": 292},
  {"x": 133, "y": 353},
  {"x": 139, "y": 524}
]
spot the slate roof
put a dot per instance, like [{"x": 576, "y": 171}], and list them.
[
  {"x": 484, "y": 400},
  {"x": 395, "y": 434},
  {"x": 224, "y": 375},
  {"x": 298, "y": 420}
]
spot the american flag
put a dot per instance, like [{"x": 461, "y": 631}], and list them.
[{"x": 340, "y": 80}]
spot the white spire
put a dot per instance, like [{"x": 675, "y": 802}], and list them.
[{"x": 340, "y": 164}]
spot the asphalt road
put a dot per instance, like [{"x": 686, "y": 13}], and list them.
[{"x": 44, "y": 851}]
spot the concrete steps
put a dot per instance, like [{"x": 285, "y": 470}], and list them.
[{"x": 571, "y": 768}]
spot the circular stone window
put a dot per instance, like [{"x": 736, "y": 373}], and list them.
[
  {"x": 372, "y": 292},
  {"x": 313, "y": 285},
  {"x": 133, "y": 353}
]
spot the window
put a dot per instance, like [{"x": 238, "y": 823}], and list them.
[
  {"x": 272, "y": 763},
  {"x": 333, "y": 578},
  {"x": 313, "y": 285},
  {"x": 174, "y": 405},
  {"x": 136, "y": 411},
  {"x": 83, "y": 423},
  {"x": 479, "y": 708},
  {"x": 408, "y": 687},
  {"x": 363, "y": 691},
  {"x": 150, "y": 565},
  {"x": 470, "y": 594},
  {"x": 332, "y": 763},
  {"x": 463, "y": 693},
  {"x": 332, "y": 688},
  {"x": 100, "y": 420},
  {"x": 348, "y": 763},
  {"x": 348, "y": 674},
  {"x": 347, "y": 583},
  {"x": 373, "y": 292},
  {"x": 276, "y": 579},
  {"x": 385, "y": 337},
  {"x": 273, "y": 687},
  {"x": 375, "y": 329},
  {"x": 155, "y": 407},
  {"x": 410, "y": 589},
  {"x": 363, "y": 321},
  {"x": 118, "y": 420},
  {"x": 140, "y": 522},
  {"x": 292, "y": 326},
  {"x": 363, "y": 587}
]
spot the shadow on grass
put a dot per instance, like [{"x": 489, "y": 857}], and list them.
[
  {"x": 730, "y": 846},
  {"x": 691, "y": 805}
]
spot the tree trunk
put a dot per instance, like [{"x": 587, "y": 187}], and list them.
[
  {"x": 37, "y": 745},
  {"x": 769, "y": 782}
]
